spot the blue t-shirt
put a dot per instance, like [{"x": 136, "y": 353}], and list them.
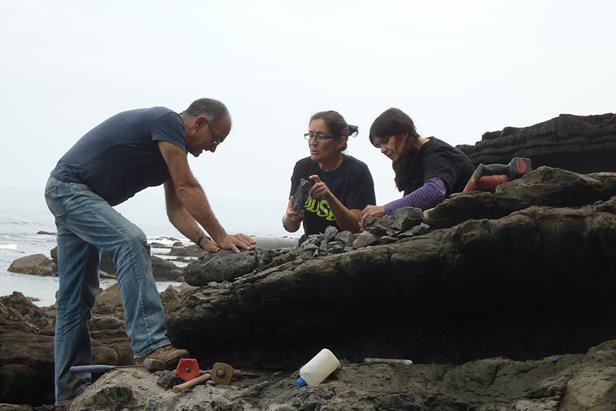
[{"x": 120, "y": 156}]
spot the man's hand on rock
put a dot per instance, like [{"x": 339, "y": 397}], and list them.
[
  {"x": 236, "y": 241},
  {"x": 208, "y": 245}
]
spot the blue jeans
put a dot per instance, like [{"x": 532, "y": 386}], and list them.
[{"x": 87, "y": 224}]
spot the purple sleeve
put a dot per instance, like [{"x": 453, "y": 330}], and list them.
[{"x": 431, "y": 193}]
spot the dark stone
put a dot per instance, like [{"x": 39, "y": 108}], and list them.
[
  {"x": 583, "y": 144},
  {"x": 222, "y": 266},
  {"x": 301, "y": 195},
  {"x": 405, "y": 218},
  {"x": 542, "y": 187},
  {"x": 364, "y": 239}
]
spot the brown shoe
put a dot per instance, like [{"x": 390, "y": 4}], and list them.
[{"x": 165, "y": 357}]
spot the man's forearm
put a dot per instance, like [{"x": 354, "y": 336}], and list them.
[
  {"x": 195, "y": 202},
  {"x": 185, "y": 223}
]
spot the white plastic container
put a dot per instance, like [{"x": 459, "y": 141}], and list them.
[{"x": 317, "y": 369}]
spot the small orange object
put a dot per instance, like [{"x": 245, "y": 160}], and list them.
[{"x": 188, "y": 368}]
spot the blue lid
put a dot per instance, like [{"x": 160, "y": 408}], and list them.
[{"x": 300, "y": 381}]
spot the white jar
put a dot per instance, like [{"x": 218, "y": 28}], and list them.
[{"x": 318, "y": 368}]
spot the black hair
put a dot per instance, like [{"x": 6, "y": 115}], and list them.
[{"x": 395, "y": 123}]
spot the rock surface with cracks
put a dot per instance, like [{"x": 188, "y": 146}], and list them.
[{"x": 523, "y": 284}]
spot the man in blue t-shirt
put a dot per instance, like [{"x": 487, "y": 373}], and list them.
[{"x": 118, "y": 158}]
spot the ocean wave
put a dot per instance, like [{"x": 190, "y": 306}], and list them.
[{"x": 8, "y": 246}]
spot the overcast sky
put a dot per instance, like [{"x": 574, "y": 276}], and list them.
[{"x": 458, "y": 68}]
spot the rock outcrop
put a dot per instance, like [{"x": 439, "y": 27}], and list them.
[
  {"x": 534, "y": 282},
  {"x": 226, "y": 265},
  {"x": 26, "y": 342},
  {"x": 583, "y": 144}
]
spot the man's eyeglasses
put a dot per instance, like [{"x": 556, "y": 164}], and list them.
[
  {"x": 217, "y": 140},
  {"x": 318, "y": 136}
]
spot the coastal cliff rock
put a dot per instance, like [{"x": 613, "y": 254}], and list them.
[
  {"x": 535, "y": 282},
  {"x": 583, "y": 144},
  {"x": 503, "y": 300}
]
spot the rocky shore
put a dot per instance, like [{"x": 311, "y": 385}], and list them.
[{"x": 503, "y": 300}]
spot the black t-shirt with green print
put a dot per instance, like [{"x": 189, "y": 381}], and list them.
[{"x": 351, "y": 183}]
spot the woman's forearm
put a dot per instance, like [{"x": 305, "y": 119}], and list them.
[
  {"x": 345, "y": 218},
  {"x": 427, "y": 196}
]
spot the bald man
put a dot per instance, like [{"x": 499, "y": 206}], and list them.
[{"x": 108, "y": 165}]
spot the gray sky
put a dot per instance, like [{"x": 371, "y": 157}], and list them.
[{"x": 458, "y": 68}]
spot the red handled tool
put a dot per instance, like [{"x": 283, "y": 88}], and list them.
[
  {"x": 487, "y": 177},
  {"x": 188, "y": 368}
]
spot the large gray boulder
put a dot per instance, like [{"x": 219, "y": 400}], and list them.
[{"x": 36, "y": 264}]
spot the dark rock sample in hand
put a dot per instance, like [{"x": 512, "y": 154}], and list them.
[{"x": 301, "y": 195}]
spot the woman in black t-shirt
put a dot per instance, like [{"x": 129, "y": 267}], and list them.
[
  {"x": 427, "y": 169},
  {"x": 341, "y": 185}
]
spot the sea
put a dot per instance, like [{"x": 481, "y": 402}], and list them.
[{"x": 27, "y": 227}]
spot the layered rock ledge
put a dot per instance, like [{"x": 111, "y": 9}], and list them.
[
  {"x": 583, "y": 144},
  {"x": 523, "y": 284}
]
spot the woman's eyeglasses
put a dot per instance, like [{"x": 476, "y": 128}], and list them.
[{"x": 318, "y": 136}]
